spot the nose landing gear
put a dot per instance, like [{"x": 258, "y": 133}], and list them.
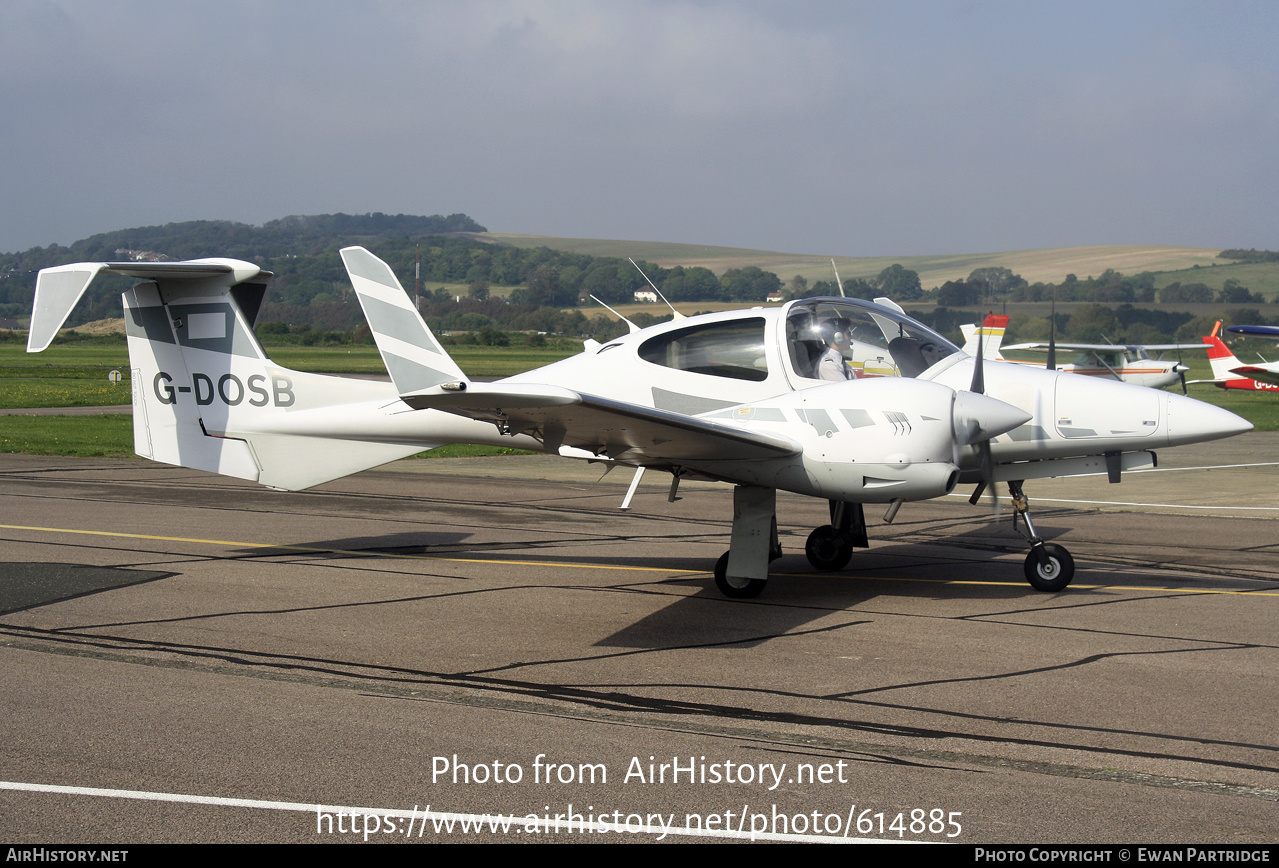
[{"x": 1049, "y": 567}]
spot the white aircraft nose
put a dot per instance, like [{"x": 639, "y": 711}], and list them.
[{"x": 1191, "y": 421}]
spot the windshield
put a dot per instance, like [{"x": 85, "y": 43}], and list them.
[{"x": 872, "y": 340}]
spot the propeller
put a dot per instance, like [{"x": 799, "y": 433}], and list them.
[
  {"x": 977, "y": 418},
  {"x": 972, "y": 437}
]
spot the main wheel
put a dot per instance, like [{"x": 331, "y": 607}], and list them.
[
  {"x": 826, "y": 551},
  {"x": 1054, "y": 575},
  {"x": 740, "y": 589}
]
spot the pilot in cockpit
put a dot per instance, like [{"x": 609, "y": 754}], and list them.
[{"x": 831, "y": 366}]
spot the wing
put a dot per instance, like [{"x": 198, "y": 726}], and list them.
[
  {"x": 428, "y": 379},
  {"x": 1165, "y": 348},
  {"x": 1043, "y": 347},
  {"x": 625, "y": 432},
  {"x": 1108, "y": 348}
]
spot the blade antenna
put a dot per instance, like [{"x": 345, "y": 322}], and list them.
[
  {"x": 677, "y": 314},
  {"x": 630, "y": 325},
  {"x": 1052, "y": 335},
  {"x": 838, "y": 282}
]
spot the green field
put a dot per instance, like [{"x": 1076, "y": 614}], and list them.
[
  {"x": 71, "y": 374},
  {"x": 1262, "y": 277},
  {"x": 75, "y": 375}
]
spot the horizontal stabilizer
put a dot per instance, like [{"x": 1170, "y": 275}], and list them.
[
  {"x": 59, "y": 289},
  {"x": 1261, "y": 375}
]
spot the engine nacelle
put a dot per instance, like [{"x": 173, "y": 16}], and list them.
[{"x": 873, "y": 440}]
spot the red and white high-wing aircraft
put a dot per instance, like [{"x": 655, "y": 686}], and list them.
[
  {"x": 1130, "y": 363},
  {"x": 1230, "y": 373},
  {"x": 732, "y": 396}
]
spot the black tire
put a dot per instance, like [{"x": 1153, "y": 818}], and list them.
[
  {"x": 738, "y": 589},
  {"x": 1054, "y": 576},
  {"x": 826, "y": 551}
]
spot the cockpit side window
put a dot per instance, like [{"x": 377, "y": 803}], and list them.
[{"x": 733, "y": 349}]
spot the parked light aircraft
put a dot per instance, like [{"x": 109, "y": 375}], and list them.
[
  {"x": 1130, "y": 363},
  {"x": 731, "y": 396},
  {"x": 1230, "y": 373}
]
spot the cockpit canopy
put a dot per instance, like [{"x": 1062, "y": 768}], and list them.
[
  {"x": 875, "y": 341},
  {"x": 812, "y": 339}
]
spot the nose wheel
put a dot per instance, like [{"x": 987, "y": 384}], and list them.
[{"x": 1049, "y": 568}]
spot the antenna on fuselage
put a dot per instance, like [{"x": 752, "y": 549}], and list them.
[
  {"x": 1052, "y": 335},
  {"x": 630, "y": 325},
  {"x": 677, "y": 314},
  {"x": 838, "y": 282}
]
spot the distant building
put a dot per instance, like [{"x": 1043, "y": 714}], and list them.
[
  {"x": 125, "y": 255},
  {"x": 775, "y": 296},
  {"x": 646, "y": 296}
]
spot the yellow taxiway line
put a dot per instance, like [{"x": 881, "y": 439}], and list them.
[{"x": 580, "y": 566}]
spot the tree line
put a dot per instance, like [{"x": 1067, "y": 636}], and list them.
[{"x": 310, "y": 294}]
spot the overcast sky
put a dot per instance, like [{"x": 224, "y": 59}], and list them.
[{"x": 827, "y": 127}]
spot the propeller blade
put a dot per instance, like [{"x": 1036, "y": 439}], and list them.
[{"x": 979, "y": 376}]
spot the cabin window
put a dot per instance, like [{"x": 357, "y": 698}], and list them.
[{"x": 733, "y": 349}]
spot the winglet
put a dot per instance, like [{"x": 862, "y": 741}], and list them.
[{"x": 413, "y": 357}]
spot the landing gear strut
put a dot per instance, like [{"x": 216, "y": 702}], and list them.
[{"x": 1049, "y": 567}]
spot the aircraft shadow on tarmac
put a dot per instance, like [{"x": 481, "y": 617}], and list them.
[
  {"x": 31, "y": 585},
  {"x": 797, "y": 595}
]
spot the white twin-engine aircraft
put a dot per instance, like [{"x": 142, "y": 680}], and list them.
[{"x": 737, "y": 397}]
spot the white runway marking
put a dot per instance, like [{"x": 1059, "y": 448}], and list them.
[{"x": 1160, "y": 505}]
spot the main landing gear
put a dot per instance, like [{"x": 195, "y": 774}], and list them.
[
  {"x": 830, "y": 547},
  {"x": 742, "y": 571}
]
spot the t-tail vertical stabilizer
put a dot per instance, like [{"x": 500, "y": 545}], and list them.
[{"x": 205, "y": 394}]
